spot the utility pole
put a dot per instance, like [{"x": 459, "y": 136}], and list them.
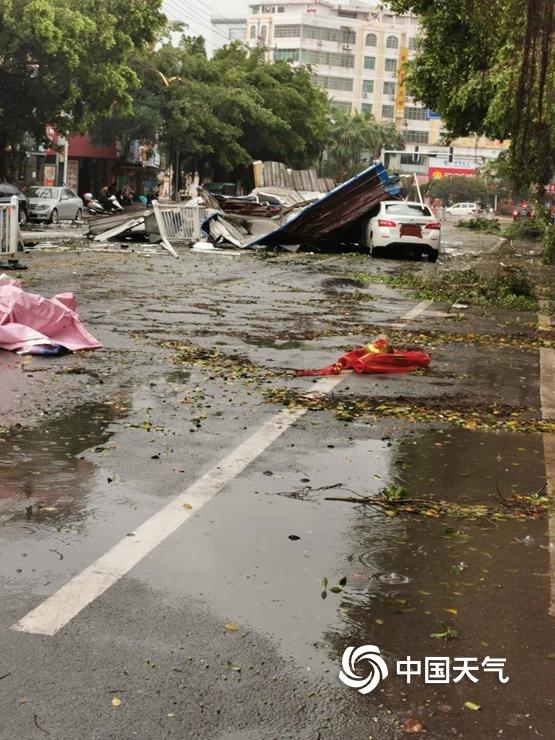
[{"x": 66, "y": 161}]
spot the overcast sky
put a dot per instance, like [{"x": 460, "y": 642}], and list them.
[{"x": 197, "y": 13}]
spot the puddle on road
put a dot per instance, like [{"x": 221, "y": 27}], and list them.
[
  {"x": 342, "y": 282},
  {"x": 269, "y": 343},
  {"x": 485, "y": 584},
  {"x": 42, "y": 478}
]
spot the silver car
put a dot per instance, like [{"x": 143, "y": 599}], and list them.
[{"x": 54, "y": 204}]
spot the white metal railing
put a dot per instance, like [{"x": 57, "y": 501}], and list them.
[
  {"x": 9, "y": 229},
  {"x": 178, "y": 223}
]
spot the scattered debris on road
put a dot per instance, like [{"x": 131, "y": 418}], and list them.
[{"x": 335, "y": 215}]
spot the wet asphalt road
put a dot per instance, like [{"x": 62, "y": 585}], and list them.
[{"x": 221, "y": 632}]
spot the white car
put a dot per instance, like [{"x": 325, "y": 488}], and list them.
[
  {"x": 54, "y": 204},
  {"x": 402, "y": 223},
  {"x": 463, "y": 209}
]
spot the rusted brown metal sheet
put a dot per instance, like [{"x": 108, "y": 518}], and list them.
[{"x": 342, "y": 206}]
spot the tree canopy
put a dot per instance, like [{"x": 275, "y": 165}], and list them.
[
  {"x": 458, "y": 189},
  {"x": 67, "y": 64},
  {"x": 353, "y": 140},
  {"x": 219, "y": 114},
  {"x": 488, "y": 67}
]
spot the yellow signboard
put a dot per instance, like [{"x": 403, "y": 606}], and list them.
[{"x": 401, "y": 84}]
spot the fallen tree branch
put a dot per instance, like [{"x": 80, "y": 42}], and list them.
[{"x": 530, "y": 507}]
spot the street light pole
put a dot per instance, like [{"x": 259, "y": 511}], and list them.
[{"x": 66, "y": 161}]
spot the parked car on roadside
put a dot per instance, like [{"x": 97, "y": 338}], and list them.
[
  {"x": 463, "y": 209},
  {"x": 7, "y": 191},
  {"x": 523, "y": 211},
  {"x": 54, "y": 204},
  {"x": 399, "y": 223}
]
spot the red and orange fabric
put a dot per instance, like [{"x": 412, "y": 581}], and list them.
[{"x": 376, "y": 357}]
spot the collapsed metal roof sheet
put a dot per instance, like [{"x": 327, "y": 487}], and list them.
[{"x": 346, "y": 203}]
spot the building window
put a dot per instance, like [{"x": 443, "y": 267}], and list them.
[
  {"x": 334, "y": 83},
  {"x": 280, "y": 9},
  {"x": 253, "y": 32},
  {"x": 371, "y": 39},
  {"x": 416, "y": 137},
  {"x": 367, "y": 86},
  {"x": 390, "y": 65},
  {"x": 341, "y": 105},
  {"x": 389, "y": 88},
  {"x": 392, "y": 42},
  {"x": 416, "y": 114},
  {"x": 342, "y": 36},
  {"x": 412, "y": 43},
  {"x": 366, "y": 108},
  {"x": 285, "y": 31},
  {"x": 263, "y": 34},
  {"x": 388, "y": 111},
  {"x": 369, "y": 62},
  {"x": 327, "y": 58},
  {"x": 286, "y": 55}
]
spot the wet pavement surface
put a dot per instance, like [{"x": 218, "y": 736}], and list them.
[{"x": 235, "y": 625}]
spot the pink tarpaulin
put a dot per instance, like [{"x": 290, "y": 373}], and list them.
[{"x": 29, "y": 321}]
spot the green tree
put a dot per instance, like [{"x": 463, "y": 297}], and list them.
[
  {"x": 289, "y": 94},
  {"x": 498, "y": 175},
  {"x": 354, "y": 140},
  {"x": 219, "y": 114},
  {"x": 488, "y": 67},
  {"x": 67, "y": 64},
  {"x": 457, "y": 189}
]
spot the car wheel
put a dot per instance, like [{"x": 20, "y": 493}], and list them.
[
  {"x": 433, "y": 254},
  {"x": 376, "y": 251},
  {"x": 54, "y": 218},
  {"x": 365, "y": 238},
  {"x": 79, "y": 214}
]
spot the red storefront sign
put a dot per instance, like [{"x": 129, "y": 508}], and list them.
[
  {"x": 81, "y": 146},
  {"x": 439, "y": 172}
]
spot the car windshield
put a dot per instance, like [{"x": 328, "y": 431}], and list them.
[
  {"x": 407, "y": 209},
  {"x": 39, "y": 192}
]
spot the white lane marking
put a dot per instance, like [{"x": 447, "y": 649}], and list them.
[
  {"x": 547, "y": 382},
  {"x": 411, "y": 315},
  {"x": 547, "y": 392},
  {"x": 60, "y": 608},
  {"x": 417, "y": 310},
  {"x": 57, "y": 610},
  {"x": 549, "y": 456},
  {"x": 544, "y": 317}
]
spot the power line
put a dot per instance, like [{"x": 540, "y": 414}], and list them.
[
  {"x": 180, "y": 8},
  {"x": 195, "y": 17},
  {"x": 183, "y": 10},
  {"x": 212, "y": 10}
]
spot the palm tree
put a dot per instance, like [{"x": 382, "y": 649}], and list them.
[{"x": 355, "y": 140}]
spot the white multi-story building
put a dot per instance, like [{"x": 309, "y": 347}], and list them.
[{"x": 356, "y": 52}]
